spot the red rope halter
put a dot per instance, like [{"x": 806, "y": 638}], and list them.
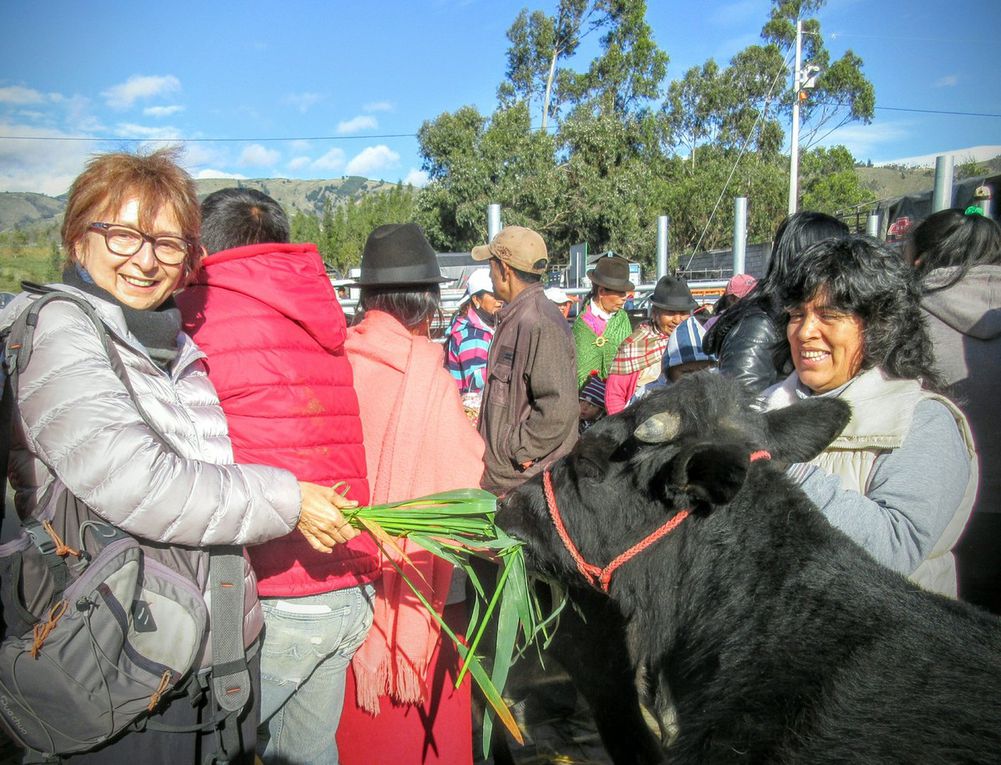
[{"x": 596, "y": 575}]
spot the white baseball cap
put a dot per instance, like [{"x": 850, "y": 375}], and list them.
[
  {"x": 558, "y": 296},
  {"x": 479, "y": 281}
]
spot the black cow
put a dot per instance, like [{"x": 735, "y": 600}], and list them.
[{"x": 778, "y": 639}]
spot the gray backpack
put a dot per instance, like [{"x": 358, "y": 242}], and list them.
[{"x": 100, "y": 627}]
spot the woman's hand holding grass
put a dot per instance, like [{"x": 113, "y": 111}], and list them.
[{"x": 320, "y": 519}]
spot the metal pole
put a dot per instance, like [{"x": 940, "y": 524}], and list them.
[
  {"x": 794, "y": 137},
  {"x": 872, "y": 225},
  {"x": 739, "y": 233},
  {"x": 493, "y": 221},
  {"x": 663, "y": 226},
  {"x": 943, "y": 183}
]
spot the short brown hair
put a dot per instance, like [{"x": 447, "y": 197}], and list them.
[{"x": 109, "y": 180}]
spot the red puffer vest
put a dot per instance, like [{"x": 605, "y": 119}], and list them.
[{"x": 268, "y": 319}]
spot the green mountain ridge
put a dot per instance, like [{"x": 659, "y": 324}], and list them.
[{"x": 34, "y": 212}]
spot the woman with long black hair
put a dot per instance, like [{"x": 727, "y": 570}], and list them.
[
  {"x": 901, "y": 477},
  {"x": 956, "y": 255},
  {"x": 748, "y": 339}
]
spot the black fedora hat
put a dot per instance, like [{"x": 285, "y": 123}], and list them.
[
  {"x": 612, "y": 273},
  {"x": 672, "y": 294},
  {"x": 398, "y": 253}
]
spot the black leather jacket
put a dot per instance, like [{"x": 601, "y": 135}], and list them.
[{"x": 750, "y": 347}]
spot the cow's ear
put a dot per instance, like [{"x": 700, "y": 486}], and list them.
[
  {"x": 711, "y": 473},
  {"x": 800, "y": 432}
]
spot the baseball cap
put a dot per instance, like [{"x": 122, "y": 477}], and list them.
[
  {"x": 739, "y": 285},
  {"x": 519, "y": 247},
  {"x": 479, "y": 281},
  {"x": 558, "y": 296}
]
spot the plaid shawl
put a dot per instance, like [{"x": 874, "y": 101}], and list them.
[{"x": 643, "y": 348}]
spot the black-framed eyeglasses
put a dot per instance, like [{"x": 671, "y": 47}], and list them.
[{"x": 127, "y": 241}]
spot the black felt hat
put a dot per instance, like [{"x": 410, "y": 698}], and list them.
[
  {"x": 612, "y": 273},
  {"x": 398, "y": 253},
  {"x": 672, "y": 294}
]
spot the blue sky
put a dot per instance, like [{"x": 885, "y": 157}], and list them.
[{"x": 349, "y": 83}]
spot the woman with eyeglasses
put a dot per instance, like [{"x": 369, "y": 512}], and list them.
[{"x": 163, "y": 473}]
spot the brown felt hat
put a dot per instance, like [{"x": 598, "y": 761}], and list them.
[{"x": 612, "y": 273}]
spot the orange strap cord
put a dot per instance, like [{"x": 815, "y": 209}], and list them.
[{"x": 42, "y": 630}]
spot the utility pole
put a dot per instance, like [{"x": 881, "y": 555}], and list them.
[{"x": 794, "y": 138}]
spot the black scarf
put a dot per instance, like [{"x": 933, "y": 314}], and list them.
[
  {"x": 490, "y": 319},
  {"x": 157, "y": 330}
]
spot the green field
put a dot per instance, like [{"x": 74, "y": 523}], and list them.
[{"x": 31, "y": 262}]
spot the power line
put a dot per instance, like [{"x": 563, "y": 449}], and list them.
[
  {"x": 919, "y": 111},
  {"x": 203, "y": 140},
  {"x": 937, "y": 111}
]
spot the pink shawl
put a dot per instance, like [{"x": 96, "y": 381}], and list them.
[{"x": 417, "y": 441}]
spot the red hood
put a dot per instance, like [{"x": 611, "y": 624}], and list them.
[{"x": 291, "y": 267}]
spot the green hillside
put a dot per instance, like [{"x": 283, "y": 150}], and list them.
[{"x": 29, "y": 223}]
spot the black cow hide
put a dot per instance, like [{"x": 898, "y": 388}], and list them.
[{"x": 778, "y": 639}]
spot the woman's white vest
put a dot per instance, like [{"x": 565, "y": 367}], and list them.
[{"x": 882, "y": 411}]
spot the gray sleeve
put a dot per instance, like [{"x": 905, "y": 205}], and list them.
[
  {"x": 913, "y": 492},
  {"x": 81, "y": 422}
]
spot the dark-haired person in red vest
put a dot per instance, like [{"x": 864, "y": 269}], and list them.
[{"x": 268, "y": 319}]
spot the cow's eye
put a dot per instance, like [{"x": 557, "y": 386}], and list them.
[{"x": 587, "y": 468}]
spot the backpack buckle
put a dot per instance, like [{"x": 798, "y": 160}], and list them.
[{"x": 41, "y": 539}]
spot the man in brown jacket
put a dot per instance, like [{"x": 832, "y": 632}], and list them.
[{"x": 529, "y": 413}]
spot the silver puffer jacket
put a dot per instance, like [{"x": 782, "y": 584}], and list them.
[{"x": 78, "y": 425}]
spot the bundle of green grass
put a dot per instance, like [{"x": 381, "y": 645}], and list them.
[{"x": 458, "y": 526}]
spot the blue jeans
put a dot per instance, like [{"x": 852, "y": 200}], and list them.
[{"x": 308, "y": 644}]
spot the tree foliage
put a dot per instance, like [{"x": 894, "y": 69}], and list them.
[
  {"x": 538, "y": 44},
  {"x": 829, "y": 182},
  {"x": 340, "y": 233},
  {"x": 842, "y": 93},
  {"x": 625, "y": 146}
]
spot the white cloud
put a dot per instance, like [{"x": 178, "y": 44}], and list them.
[
  {"x": 209, "y": 172},
  {"x": 299, "y": 146},
  {"x": 869, "y": 141},
  {"x": 970, "y": 154},
  {"x": 132, "y": 130},
  {"x": 333, "y": 160},
  {"x": 140, "y": 86},
  {"x": 197, "y": 156},
  {"x": 378, "y": 106},
  {"x": 257, "y": 155},
  {"x": 40, "y": 166},
  {"x": 303, "y": 101},
  {"x": 353, "y": 125},
  {"x": 372, "y": 160},
  {"x": 416, "y": 178},
  {"x": 949, "y": 81},
  {"x": 17, "y": 94},
  {"x": 298, "y": 163},
  {"x": 162, "y": 111}
]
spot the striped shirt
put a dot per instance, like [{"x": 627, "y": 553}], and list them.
[{"x": 466, "y": 351}]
